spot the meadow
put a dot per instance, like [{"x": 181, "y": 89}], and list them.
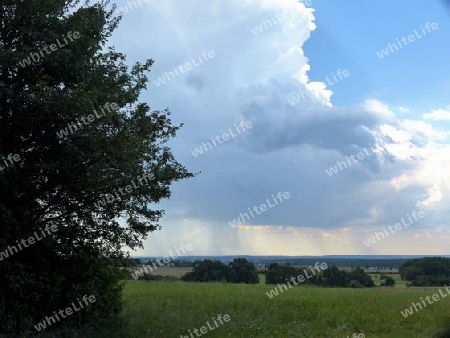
[{"x": 170, "y": 309}]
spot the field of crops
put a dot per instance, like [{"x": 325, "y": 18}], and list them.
[{"x": 171, "y": 309}]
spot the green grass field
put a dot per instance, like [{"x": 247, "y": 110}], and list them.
[
  {"x": 398, "y": 283},
  {"x": 170, "y": 309}
]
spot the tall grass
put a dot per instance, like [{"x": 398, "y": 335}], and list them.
[
  {"x": 169, "y": 309},
  {"x": 165, "y": 309}
]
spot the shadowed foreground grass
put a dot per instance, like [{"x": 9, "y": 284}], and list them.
[{"x": 169, "y": 309}]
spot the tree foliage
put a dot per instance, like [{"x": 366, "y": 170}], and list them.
[
  {"x": 426, "y": 271},
  {"x": 207, "y": 271},
  {"x": 242, "y": 271},
  {"x": 389, "y": 281},
  {"x": 238, "y": 271},
  {"x": 330, "y": 277},
  {"x": 59, "y": 180},
  {"x": 333, "y": 277},
  {"x": 276, "y": 273},
  {"x": 358, "y": 274}
]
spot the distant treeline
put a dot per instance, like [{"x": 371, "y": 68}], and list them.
[
  {"x": 242, "y": 271},
  {"x": 238, "y": 271},
  {"x": 427, "y": 271},
  {"x": 330, "y": 277},
  {"x": 342, "y": 262}
]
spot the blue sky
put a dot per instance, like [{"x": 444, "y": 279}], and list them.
[
  {"x": 350, "y": 32},
  {"x": 391, "y": 114}
]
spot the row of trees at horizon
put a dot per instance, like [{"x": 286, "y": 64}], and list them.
[
  {"x": 330, "y": 277},
  {"x": 242, "y": 271},
  {"x": 426, "y": 271},
  {"x": 238, "y": 271}
]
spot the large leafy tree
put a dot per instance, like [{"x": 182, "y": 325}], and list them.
[
  {"x": 59, "y": 179},
  {"x": 243, "y": 271}
]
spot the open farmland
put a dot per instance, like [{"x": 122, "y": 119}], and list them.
[
  {"x": 170, "y": 309},
  {"x": 164, "y": 271}
]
